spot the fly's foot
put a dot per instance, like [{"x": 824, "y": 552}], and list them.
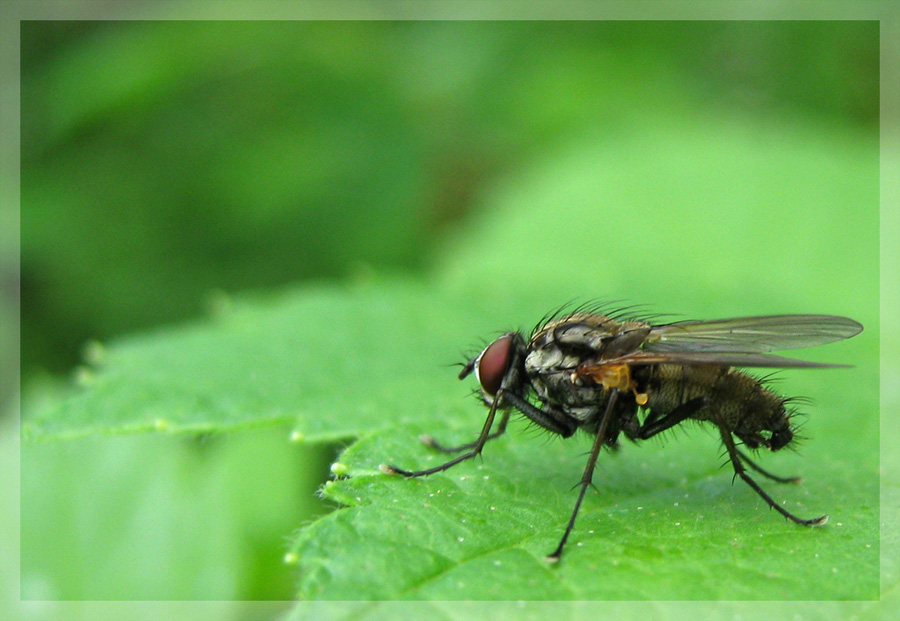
[{"x": 389, "y": 469}]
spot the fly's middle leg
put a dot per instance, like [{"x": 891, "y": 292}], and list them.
[{"x": 588, "y": 475}]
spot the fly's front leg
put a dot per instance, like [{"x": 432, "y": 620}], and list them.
[
  {"x": 549, "y": 419},
  {"x": 428, "y": 440},
  {"x": 475, "y": 450},
  {"x": 739, "y": 470}
]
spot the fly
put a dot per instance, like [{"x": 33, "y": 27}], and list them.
[{"x": 610, "y": 376}]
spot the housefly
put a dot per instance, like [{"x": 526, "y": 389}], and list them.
[{"x": 609, "y": 375}]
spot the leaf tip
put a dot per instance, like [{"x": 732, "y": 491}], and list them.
[{"x": 339, "y": 470}]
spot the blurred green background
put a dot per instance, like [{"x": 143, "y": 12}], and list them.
[
  {"x": 165, "y": 164},
  {"x": 165, "y": 161}
]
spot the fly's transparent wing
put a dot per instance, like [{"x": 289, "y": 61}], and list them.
[
  {"x": 750, "y": 335},
  {"x": 727, "y": 359}
]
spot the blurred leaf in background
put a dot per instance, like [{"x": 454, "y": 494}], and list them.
[
  {"x": 165, "y": 160},
  {"x": 506, "y": 167}
]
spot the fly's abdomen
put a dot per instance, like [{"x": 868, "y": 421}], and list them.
[{"x": 751, "y": 411}]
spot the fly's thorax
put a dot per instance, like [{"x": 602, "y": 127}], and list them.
[
  {"x": 549, "y": 370},
  {"x": 550, "y": 359},
  {"x": 554, "y": 355},
  {"x": 749, "y": 409},
  {"x": 550, "y": 373},
  {"x": 585, "y": 332},
  {"x": 564, "y": 343}
]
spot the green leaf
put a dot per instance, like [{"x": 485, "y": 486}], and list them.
[
  {"x": 332, "y": 360},
  {"x": 687, "y": 227},
  {"x": 664, "y": 524}
]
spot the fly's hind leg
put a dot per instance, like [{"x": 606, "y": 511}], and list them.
[
  {"x": 746, "y": 459},
  {"x": 655, "y": 424},
  {"x": 736, "y": 461}
]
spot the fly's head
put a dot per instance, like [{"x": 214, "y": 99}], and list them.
[{"x": 499, "y": 366}]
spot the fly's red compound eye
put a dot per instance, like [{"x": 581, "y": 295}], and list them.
[{"x": 492, "y": 363}]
